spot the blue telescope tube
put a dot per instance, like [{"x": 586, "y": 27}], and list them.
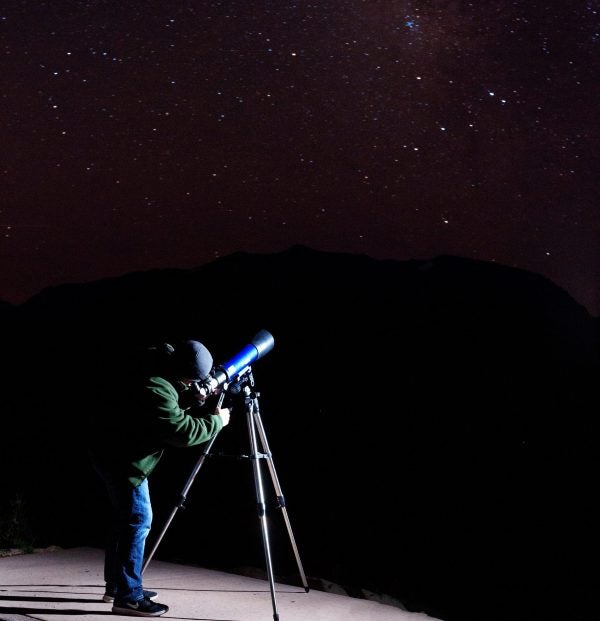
[{"x": 260, "y": 345}]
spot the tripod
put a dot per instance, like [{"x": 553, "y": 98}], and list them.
[{"x": 256, "y": 433}]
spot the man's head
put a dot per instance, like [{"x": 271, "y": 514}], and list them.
[{"x": 190, "y": 360}]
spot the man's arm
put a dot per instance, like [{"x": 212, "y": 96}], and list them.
[{"x": 174, "y": 426}]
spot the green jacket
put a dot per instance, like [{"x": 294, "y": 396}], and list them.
[{"x": 128, "y": 440}]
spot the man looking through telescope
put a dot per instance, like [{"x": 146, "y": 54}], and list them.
[{"x": 156, "y": 410}]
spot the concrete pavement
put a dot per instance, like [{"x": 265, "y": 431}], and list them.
[{"x": 62, "y": 585}]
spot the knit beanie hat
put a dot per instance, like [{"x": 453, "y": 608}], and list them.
[{"x": 191, "y": 360}]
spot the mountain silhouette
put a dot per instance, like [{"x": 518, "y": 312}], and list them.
[{"x": 433, "y": 423}]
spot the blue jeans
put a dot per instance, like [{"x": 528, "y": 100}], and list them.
[{"x": 131, "y": 521}]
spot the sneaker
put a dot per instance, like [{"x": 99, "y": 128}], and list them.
[
  {"x": 142, "y": 608},
  {"x": 108, "y": 597}
]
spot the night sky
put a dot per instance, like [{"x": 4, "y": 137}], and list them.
[{"x": 140, "y": 135}]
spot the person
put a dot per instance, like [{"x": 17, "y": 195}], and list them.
[{"x": 155, "y": 410}]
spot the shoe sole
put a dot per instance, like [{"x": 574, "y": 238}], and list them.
[{"x": 131, "y": 612}]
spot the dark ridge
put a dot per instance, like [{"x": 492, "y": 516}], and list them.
[{"x": 434, "y": 423}]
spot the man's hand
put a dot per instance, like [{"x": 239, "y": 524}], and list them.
[{"x": 224, "y": 413}]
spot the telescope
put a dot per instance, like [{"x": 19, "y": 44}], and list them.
[{"x": 236, "y": 367}]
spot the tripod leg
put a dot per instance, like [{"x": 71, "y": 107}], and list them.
[
  {"x": 183, "y": 495},
  {"x": 260, "y": 499},
  {"x": 161, "y": 535},
  {"x": 278, "y": 490},
  {"x": 181, "y": 504}
]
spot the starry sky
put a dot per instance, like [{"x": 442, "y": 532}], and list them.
[{"x": 140, "y": 135}]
